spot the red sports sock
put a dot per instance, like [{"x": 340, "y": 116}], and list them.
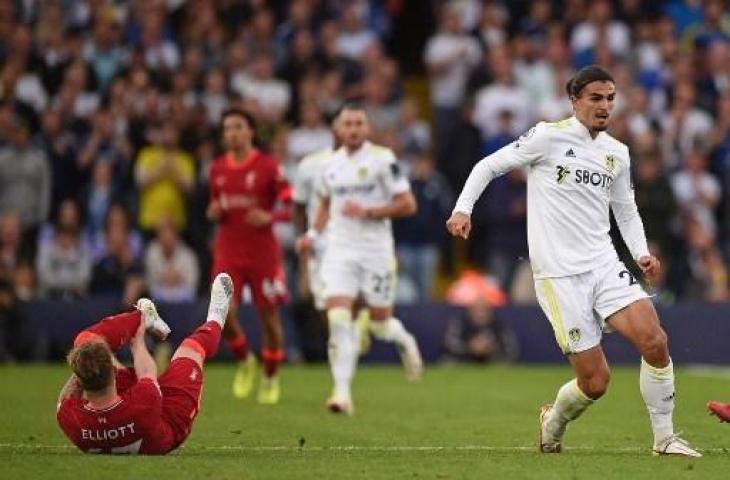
[
  {"x": 239, "y": 346},
  {"x": 115, "y": 330},
  {"x": 272, "y": 358},
  {"x": 205, "y": 339}
]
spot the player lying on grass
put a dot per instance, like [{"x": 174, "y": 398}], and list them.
[{"x": 108, "y": 408}]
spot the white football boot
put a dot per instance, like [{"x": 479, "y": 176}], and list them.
[
  {"x": 340, "y": 403},
  {"x": 153, "y": 323},
  {"x": 410, "y": 355},
  {"x": 674, "y": 445},
  {"x": 546, "y": 443}
]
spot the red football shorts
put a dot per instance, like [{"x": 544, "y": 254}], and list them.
[
  {"x": 266, "y": 281},
  {"x": 182, "y": 387}
]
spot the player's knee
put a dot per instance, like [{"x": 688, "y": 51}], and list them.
[
  {"x": 596, "y": 385},
  {"x": 654, "y": 346}
]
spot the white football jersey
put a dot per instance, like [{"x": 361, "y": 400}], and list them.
[
  {"x": 307, "y": 181},
  {"x": 572, "y": 180},
  {"x": 370, "y": 177}
]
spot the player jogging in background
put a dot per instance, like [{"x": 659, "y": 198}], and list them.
[
  {"x": 245, "y": 185},
  {"x": 306, "y": 196},
  {"x": 108, "y": 408},
  {"x": 362, "y": 189},
  {"x": 575, "y": 173}
]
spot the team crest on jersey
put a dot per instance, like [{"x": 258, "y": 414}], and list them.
[
  {"x": 574, "y": 334},
  {"x": 250, "y": 179},
  {"x": 610, "y": 162},
  {"x": 562, "y": 172},
  {"x": 362, "y": 173}
]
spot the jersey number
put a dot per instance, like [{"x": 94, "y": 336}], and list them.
[
  {"x": 382, "y": 283},
  {"x": 624, "y": 273}
]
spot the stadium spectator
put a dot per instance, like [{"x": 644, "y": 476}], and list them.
[
  {"x": 310, "y": 135},
  {"x": 12, "y": 250},
  {"x": 601, "y": 27},
  {"x": 685, "y": 127},
  {"x": 477, "y": 336},
  {"x": 171, "y": 268},
  {"x": 504, "y": 217},
  {"x": 354, "y": 37},
  {"x": 118, "y": 269},
  {"x": 264, "y": 94},
  {"x": 708, "y": 275},
  {"x": 501, "y": 95},
  {"x": 449, "y": 56},
  {"x": 656, "y": 202},
  {"x": 419, "y": 238},
  {"x": 25, "y": 179},
  {"x": 59, "y": 143},
  {"x": 63, "y": 263},
  {"x": 414, "y": 133},
  {"x": 697, "y": 191},
  {"x": 105, "y": 144},
  {"x": 164, "y": 174}
]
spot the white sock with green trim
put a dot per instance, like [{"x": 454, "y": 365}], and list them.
[
  {"x": 342, "y": 349},
  {"x": 657, "y": 388},
  {"x": 390, "y": 330},
  {"x": 570, "y": 403}
]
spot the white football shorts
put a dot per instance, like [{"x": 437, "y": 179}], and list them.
[
  {"x": 348, "y": 273},
  {"x": 578, "y": 305}
]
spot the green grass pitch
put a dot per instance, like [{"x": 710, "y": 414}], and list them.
[{"x": 460, "y": 422}]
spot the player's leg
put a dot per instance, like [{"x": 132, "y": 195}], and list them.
[
  {"x": 268, "y": 291},
  {"x": 384, "y": 326},
  {"x": 117, "y": 330},
  {"x": 590, "y": 383},
  {"x": 379, "y": 294},
  {"x": 567, "y": 303},
  {"x": 272, "y": 355},
  {"x": 639, "y": 323},
  {"x": 235, "y": 336},
  {"x": 203, "y": 342},
  {"x": 182, "y": 383},
  {"x": 343, "y": 352}
]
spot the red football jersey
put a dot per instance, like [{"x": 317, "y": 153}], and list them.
[
  {"x": 257, "y": 181},
  {"x": 132, "y": 425}
]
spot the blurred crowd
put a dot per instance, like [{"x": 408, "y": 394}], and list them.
[{"x": 109, "y": 115}]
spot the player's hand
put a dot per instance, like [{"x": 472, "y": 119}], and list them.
[
  {"x": 354, "y": 210},
  {"x": 459, "y": 225},
  {"x": 138, "y": 338},
  {"x": 304, "y": 245},
  {"x": 215, "y": 210},
  {"x": 650, "y": 267},
  {"x": 257, "y": 217}
]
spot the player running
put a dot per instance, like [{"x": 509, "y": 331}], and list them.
[
  {"x": 306, "y": 197},
  {"x": 362, "y": 189},
  {"x": 245, "y": 185},
  {"x": 108, "y": 408},
  {"x": 575, "y": 173}
]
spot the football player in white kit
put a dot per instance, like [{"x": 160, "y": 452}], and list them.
[
  {"x": 575, "y": 173},
  {"x": 362, "y": 189}
]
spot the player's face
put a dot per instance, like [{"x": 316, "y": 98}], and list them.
[
  {"x": 237, "y": 133},
  {"x": 353, "y": 128},
  {"x": 594, "y": 105}
]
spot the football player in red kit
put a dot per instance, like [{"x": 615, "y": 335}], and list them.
[
  {"x": 245, "y": 186},
  {"x": 108, "y": 408}
]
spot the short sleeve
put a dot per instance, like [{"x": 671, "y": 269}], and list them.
[
  {"x": 302, "y": 183},
  {"x": 392, "y": 175}
]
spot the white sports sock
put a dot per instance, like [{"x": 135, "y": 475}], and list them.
[
  {"x": 570, "y": 403},
  {"x": 391, "y": 330},
  {"x": 657, "y": 388},
  {"x": 343, "y": 348}
]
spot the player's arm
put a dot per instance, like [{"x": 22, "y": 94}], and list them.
[
  {"x": 306, "y": 242},
  {"x": 71, "y": 389},
  {"x": 144, "y": 364},
  {"x": 629, "y": 222},
  {"x": 526, "y": 150},
  {"x": 402, "y": 205}
]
